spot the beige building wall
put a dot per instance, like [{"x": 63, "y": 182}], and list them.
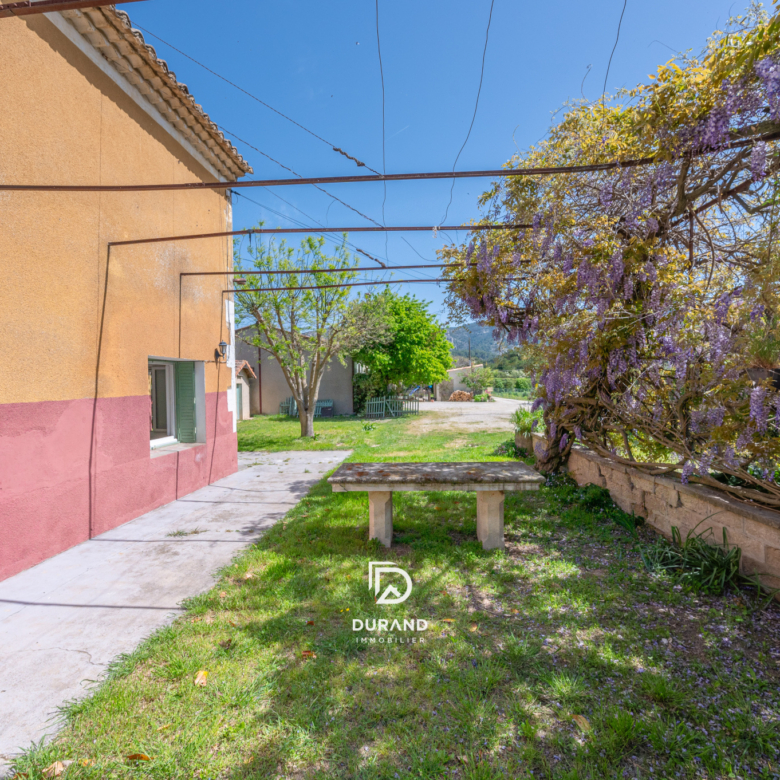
[
  {"x": 75, "y": 457},
  {"x": 272, "y": 387},
  {"x": 65, "y": 121}
]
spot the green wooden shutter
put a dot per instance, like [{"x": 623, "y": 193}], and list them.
[{"x": 185, "y": 402}]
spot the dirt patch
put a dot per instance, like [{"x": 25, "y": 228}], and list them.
[
  {"x": 399, "y": 550},
  {"x": 468, "y": 418},
  {"x": 521, "y": 551}
]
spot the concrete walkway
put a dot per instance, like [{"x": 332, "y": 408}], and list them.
[{"x": 63, "y": 621}]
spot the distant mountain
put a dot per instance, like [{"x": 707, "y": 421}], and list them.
[{"x": 483, "y": 345}]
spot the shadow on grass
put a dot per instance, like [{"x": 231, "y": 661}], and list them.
[{"x": 563, "y": 623}]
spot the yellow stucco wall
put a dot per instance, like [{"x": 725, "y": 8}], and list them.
[{"x": 64, "y": 121}]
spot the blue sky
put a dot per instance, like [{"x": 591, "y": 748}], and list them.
[{"x": 317, "y": 62}]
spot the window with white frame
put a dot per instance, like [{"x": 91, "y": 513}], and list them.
[
  {"x": 177, "y": 402},
  {"x": 162, "y": 403}
]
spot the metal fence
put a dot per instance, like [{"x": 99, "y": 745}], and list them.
[
  {"x": 324, "y": 408},
  {"x": 379, "y": 408}
]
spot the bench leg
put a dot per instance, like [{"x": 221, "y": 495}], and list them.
[
  {"x": 490, "y": 519},
  {"x": 380, "y": 516}
]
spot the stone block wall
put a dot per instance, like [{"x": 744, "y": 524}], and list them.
[{"x": 664, "y": 503}]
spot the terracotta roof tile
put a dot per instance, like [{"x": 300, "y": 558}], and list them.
[
  {"x": 241, "y": 365},
  {"x": 112, "y": 34}
]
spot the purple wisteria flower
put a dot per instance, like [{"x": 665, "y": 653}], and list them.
[
  {"x": 758, "y": 161},
  {"x": 758, "y": 411}
]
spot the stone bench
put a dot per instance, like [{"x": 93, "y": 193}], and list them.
[{"x": 489, "y": 480}]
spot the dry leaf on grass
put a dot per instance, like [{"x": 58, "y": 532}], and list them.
[
  {"x": 226, "y": 644},
  {"x": 19, "y": 776},
  {"x": 200, "y": 677},
  {"x": 309, "y": 622},
  {"x": 308, "y": 654},
  {"x": 222, "y": 594},
  {"x": 166, "y": 726},
  {"x": 248, "y": 575},
  {"x": 472, "y": 629},
  {"x": 138, "y": 757},
  {"x": 447, "y": 620},
  {"x": 582, "y": 722},
  {"x": 87, "y": 762},
  {"x": 56, "y": 769}
]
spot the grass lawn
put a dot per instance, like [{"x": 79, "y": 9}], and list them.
[{"x": 560, "y": 657}]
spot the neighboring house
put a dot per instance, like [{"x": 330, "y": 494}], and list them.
[
  {"x": 134, "y": 409},
  {"x": 272, "y": 387},
  {"x": 443, "y": 390},
  {"x": 247, "y": 386}
]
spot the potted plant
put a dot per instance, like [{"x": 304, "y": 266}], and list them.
[{"x": 525, "y": 422}]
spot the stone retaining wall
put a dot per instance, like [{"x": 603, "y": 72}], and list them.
[{"x": 664, "y": 503}]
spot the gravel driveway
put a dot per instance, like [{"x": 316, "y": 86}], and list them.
[{"x": 468, "y": 416}]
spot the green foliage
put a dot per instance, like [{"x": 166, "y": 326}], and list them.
[
  {"x": 304, "y": 329},
  {"x": 417, "y": 352},
  {"x": 518, "y": 642},
  {"x": 512, "y": 360},
  {"x": 365, "y": 386},
  {"x": 477, "y": 380},
  {"x": 704, "y": 567},
  {"x": 526, "y": 421}
]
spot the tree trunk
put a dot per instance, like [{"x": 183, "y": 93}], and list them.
[{"x": 306, "y": 418}]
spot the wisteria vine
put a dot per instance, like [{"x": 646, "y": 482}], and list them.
[{"x": 649, "y": 297}]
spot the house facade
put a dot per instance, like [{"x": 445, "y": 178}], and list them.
[
  {"x": 247, "y": 387},
  {"x": 272, "y": 388},
  {"x": 443, "y": 390},
  {"x": 137, "y": 405}
]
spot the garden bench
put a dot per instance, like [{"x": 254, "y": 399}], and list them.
[{"x": 489, "y": 480}]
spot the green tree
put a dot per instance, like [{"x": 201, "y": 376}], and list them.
[
  {"x": 478, "y": 379},
  {"x": 417, "y": 353},
  {"x": 304, "y": 329}
]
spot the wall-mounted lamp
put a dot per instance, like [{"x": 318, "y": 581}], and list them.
[{"x": 220, "y": 351}]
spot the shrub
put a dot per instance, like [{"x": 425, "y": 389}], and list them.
[
  {"x": 706, "y": 568},
  {"x": 526, "y": 422}
]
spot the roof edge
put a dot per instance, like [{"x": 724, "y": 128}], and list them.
[{"x": 111, "y": 33}]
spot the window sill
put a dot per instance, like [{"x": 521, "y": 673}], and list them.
[
  {"x": 167, "y": 449},
  {"x": 164, "y": 441}
]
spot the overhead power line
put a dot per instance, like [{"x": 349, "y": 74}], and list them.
[
  {"x": 325, "y": 192},
  {"x": 275, "y": 231},
  {"x": 382, "y": 81},
  {"x": 301, "y": 224},
  {"x": 500, "y": 172},
  {"x": 476, "y": 106},
  {"x": 612, "y": 54},
  {"x": 295, "y": 173},
  {"x": 335, "y": 148},
  {"x": 252, "y": 272},
  {"x": 329, "y": 286}
]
